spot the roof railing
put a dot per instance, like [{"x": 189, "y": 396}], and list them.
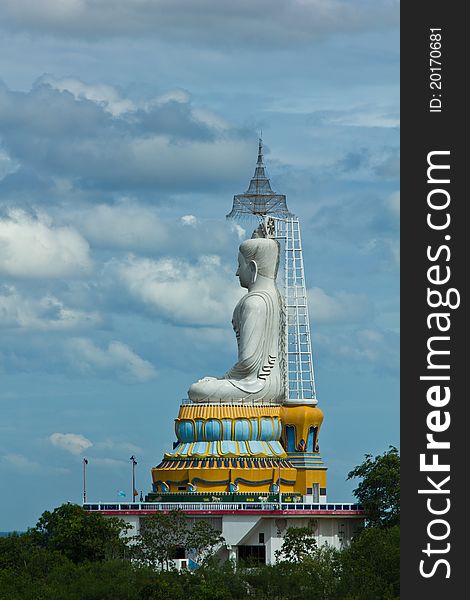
[{"x": 220, "y": 506}]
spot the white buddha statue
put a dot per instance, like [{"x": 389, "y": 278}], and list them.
[{"x": 257, "y": 320}]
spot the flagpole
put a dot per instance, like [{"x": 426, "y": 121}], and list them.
[
  {"x": 134, "y": 462},
  {"x": 85, "y": 462}
]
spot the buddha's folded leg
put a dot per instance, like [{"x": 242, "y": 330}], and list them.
[{"x": 215, "y": 390}]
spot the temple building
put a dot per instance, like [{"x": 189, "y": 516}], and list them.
[{"x": 247, "y": 454}]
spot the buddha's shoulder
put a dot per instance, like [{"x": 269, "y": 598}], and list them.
[{"x": 255, "y": 300}]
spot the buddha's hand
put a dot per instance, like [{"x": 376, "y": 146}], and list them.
[{"x": 207, "y": 379}]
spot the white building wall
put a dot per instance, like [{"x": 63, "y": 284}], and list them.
[
  {"x": 243, "y": 529},
  {"x": 134, "y": 522},
  {"x": 273, "y": 541},
  {"x": 235, "y": 528},
  {"x": 332, "y": 531}
]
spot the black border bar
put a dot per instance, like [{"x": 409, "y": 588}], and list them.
[{"x": 435, "y": 129}]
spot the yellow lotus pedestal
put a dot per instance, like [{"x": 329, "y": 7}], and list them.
[
  {"x": 226, "y": 448},
  {"x": 242, "y": 448},
  {"x": 300, "y": 429}
]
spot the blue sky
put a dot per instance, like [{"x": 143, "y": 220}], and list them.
[{"x": 125, "y": 130}]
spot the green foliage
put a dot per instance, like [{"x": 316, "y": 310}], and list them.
[
  {"x": 14, "y": 551},
  {"x": 320, "y": 571},
  {"x": 203, "y": 541},
  {"x": 78, "y": 535},
  {"x": 102, "y": 580},
  {"x": 160, "y": 537},
  {"x": 298, "y": 544},
  {"x": 366, "y": 571},
  {"x": 217, "y": 582},
  {"x": 167, "y": 585},
  {"x": 371, "y": 566},
  {"x": 379, "y": 490},
  {"x": 21, "y": 561}
]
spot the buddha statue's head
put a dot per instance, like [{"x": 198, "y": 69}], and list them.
[{"x": 257, "y": 257}]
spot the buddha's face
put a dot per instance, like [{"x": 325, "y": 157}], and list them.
[{"x": 244, "y": 272}]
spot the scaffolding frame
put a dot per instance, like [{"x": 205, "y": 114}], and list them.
[{"x": 300, "y": 375}]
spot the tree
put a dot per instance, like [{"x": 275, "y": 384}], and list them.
[
  {"x": 371, "y": 565},
  {"x": 18, "y": 553},
  {"x": 203, "y": 541},
  {"x": 317, "y": 576},
  {"x": 160, "y": 537},
  {"x": 379, "y": 490},
  {"x": 79, "y": 535},
  {"x": 217, "y": 582},
  {"x": 298, "y": 544},
  {"x": 14, "y": 551}
]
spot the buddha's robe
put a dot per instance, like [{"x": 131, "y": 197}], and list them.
[{"x": 257, "y": 374}]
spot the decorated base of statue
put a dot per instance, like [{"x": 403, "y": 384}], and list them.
[{"x": 243, "y": 448}]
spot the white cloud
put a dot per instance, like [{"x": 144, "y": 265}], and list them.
[
  {"x": 394, "y": 248},
  {"x": 238, "y": 230},
  {"x": 32, "y": 248},
  {"x": 110, "y": 99},
  {"x": 203, "y": 293},
  {"x": 7, "y": 164},
  {"x": 117, "y": 358},
  {"x": 211, "y": 22},
  {"x": 210, "y": 118},
  {"x": 118, "y": 446},
  {"x": 123, "y": 225},
  {"x": 64, "y": 139},
  {"x": 189, "y": 220},
  {"x": 178, "y": 95},
  {"x": 388, "y": 248},
  {"x": 18, "y": 461},
  {"x": 104, "y": 95},
  {"x": 44, "y": 314},
  {"x": 376, "y": 347},
  {"x": 370, "y": 345},
  {"x": 392, "y": 202},
  {"x": 366, "y": 118},
  {"x": 75, "y": 443},
  {"x": 339, "y": 307}
]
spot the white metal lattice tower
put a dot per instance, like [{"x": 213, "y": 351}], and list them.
[
  {"x": 300, "y": 374},
  {"x": 271, "y": 210}
]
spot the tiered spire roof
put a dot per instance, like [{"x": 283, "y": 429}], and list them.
[{"x": 259, "y": 199}]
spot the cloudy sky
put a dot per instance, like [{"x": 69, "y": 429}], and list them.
[{"x": 126, "y": 127}]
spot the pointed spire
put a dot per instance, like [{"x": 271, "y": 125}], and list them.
[
  {"x": 260, "y": 150},
  {"x": 260, "y": 183},
  {"x": 259, "y": 198}
]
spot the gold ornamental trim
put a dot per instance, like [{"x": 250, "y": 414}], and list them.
[{"x": 227, "y": 411}]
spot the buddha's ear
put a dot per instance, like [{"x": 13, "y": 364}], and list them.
[{"x": 253, "y": 270}]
